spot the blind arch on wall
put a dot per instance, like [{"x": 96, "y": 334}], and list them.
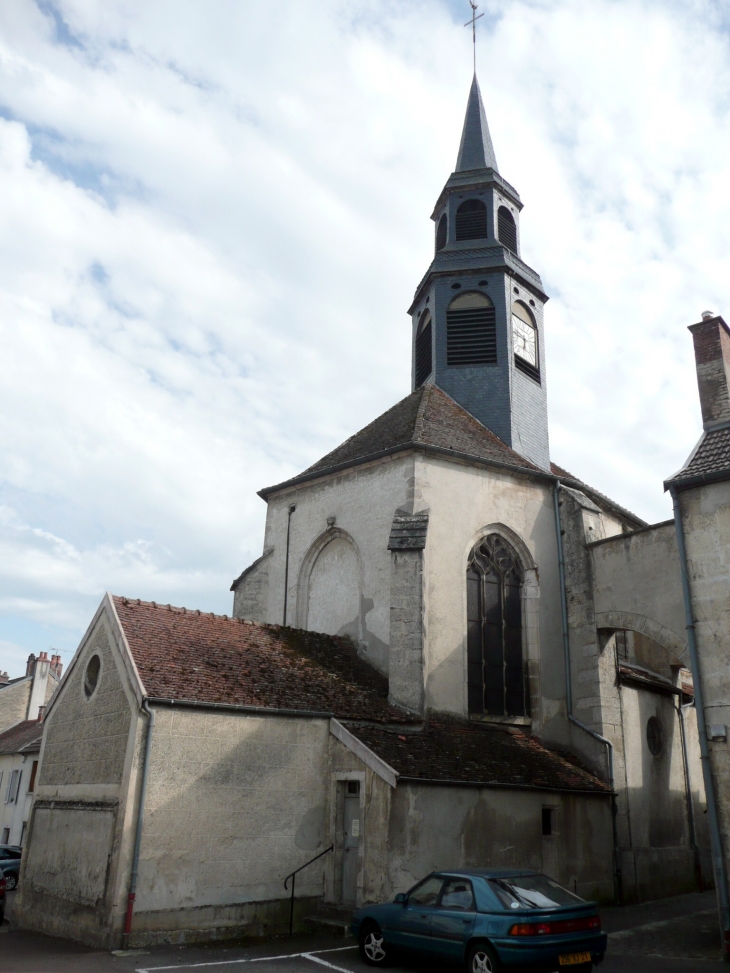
[
  {"x": 507, "y": 229},
  {"x": 471, "y": 330},
  {"x": 471, "y": 220},
  {"x": 496, "y": 670},
  {"x": 424, "y": 349}
]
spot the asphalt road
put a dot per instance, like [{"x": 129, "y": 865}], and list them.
[{"x": 669, "y": 936}]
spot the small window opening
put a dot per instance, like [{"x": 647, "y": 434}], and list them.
[
  {"x": 34, "y": 771},
  {"x": 91, "y": 677},
  {"x": 424, "y": 349},
  {"x": 547, "y": 821},
  {"x": 507, "y": 228},
  {"x": 471, "y": 220},
  {"x": 11, "y": 794},
  {"x": 441, "y": 233},
  {"x": 353, "y": 787}
]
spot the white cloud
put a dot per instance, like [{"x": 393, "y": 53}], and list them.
[{"x": 213, "y": 220}]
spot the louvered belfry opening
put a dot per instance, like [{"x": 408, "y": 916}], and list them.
[
  {"x": 441, "y": 232},
  {"x": 471, "y": 331},
  {"x": 424, "y": 360},
  {"x": 496, "y": 672},
  {"x": 471, "y": 220},
  {"x": 507, "y": 228}
]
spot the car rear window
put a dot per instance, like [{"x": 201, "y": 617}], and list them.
[
  {"x": 7, "y": 852},
  {"x": 532, "y": 892}
]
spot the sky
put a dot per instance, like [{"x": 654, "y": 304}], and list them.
[{"x": 213, "y": 218}]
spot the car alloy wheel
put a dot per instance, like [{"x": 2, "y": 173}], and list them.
[
  {"x": 10, "y": 882},
  {"x": 482, "y": 960},
  {"x": 372, "y": 947}
]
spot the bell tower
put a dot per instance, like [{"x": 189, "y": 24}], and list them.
[{"x": 478, "y": 312}]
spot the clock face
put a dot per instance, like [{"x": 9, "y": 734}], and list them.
[{"x": 524, "y": 338}]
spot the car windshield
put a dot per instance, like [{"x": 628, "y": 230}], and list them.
[{"x": 532, "y": 892}]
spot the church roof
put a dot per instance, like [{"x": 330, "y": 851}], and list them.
[
  {"x": 476, "y": 150},
  {"x": 206, "y": 658},
  {"x": 457, "y": 751},
  {"x": 430, "y": 419},
  {"x": 710, "y": 460}
]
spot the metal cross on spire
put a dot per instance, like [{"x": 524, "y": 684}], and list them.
[{"x": 474, "y": 17}]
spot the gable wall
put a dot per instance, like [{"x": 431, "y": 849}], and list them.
[{"x": 14, "y": 704}]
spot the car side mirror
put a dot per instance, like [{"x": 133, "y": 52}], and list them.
[{"x": 400, "y": 898}]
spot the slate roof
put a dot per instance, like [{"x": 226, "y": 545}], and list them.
[
  {"x": 25, "y": 736},
  {"x": 600, "y": 499},
  {"x": 206, "y": 658},
  {"x": 476, "y": 150},
  {"x": 710, "y": 459},
  {"x": 476, "y": 753}
]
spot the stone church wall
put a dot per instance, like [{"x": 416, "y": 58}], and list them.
[
  {"x": 433, "y": 827},
  {"x": 353, "y": 512}
]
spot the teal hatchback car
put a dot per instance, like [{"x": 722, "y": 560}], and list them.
[{"x": 491, "y": 920}]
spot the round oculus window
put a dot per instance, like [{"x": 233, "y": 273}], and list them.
[
  {"x": 654, "y": 736},
  {"x": 91, "y": 676}
]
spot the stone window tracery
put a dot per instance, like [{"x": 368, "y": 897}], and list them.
[{"x": 496, "y": 671}]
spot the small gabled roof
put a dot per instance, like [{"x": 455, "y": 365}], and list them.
[
  {"x": 708, "y": 462},
  {"x": 453, "y": 751},
  {"x": 475, "y": 150},
  {"x": 24, "y": 737},
  {"x": 205, "y": 658}
]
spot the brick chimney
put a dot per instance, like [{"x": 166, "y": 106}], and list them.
[
  {"x": 40, "y": 671},
  {"x": 30, "y": 665},
  {"x": 56, "y": 666},
  {"x": 712, "y": 357}
]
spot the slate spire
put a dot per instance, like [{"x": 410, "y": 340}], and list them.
[{"x": 476, "y": 150}]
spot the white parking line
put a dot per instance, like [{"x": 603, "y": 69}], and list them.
[{"x": 255, "y": 959}]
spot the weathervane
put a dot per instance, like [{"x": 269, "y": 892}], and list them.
[{"x": 473, "y": 22}]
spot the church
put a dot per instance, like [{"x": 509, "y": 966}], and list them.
[{"x": 450, "y": 652}]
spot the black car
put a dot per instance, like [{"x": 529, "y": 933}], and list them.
[{"x": 10, "y": 864}]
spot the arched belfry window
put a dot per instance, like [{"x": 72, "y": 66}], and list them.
[
  {"x": 441, "y": 233},
  {"x": 424, "y": 341},
  {"x": 471, "y": 220},
  {"x": 496, "y": 671},
  {"x": 471, "y": 330},
  {"x": 507, "y": 228},
  {"x": 525, "y": 341}
]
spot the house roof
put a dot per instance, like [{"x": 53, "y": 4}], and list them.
[
  {"x": 431, "y": 419},
  {"x": 710, "y": 459},
  {"x": 456, "y": 751},
  {"x": 205, "y": 658},
  {"x": 23, "y": 737}
]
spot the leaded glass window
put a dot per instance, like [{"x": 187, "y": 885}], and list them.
[{"x": 496, "y": 672}]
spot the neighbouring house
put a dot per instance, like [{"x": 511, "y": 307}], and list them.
[
  {"x": 19, "y": 752},
  {"x": 450, "y": 652},
  {"x": 268, "y": 746},
  {"x": 22, "y": 698}
]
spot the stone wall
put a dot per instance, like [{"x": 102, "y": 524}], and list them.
[
  {"x": 14, "y": 703},
  {"x": 434, "y": 827}
]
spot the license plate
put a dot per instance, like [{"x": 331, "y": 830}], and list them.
[{"x": 572, "y": 959}]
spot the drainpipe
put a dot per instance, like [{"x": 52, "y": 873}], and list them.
[
  {"x": 292, "y": 508},
  {"x": 712, "y": 815},
  {"x": 140, "y": 819},
  {"x": 569, "y": 693},
  {"x": 688, "y": 791}
]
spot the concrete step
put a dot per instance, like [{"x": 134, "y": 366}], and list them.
[{"x": 337, "y": 925}]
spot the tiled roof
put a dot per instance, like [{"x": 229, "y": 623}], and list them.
[
  {"x": 23, "y": 736},
  {"x": 427, "y": 417},
  {"x": 190, "y": 655},
  {"x": 711, "y": 457},
  {"x": 476, "y": 753},
  {"x": 600, "y": 499}
]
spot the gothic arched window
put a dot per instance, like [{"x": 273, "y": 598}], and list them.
[
  {"x": 471, "y": 220},
  {"x": 424, "y": 360},
  {"x": 496, "y": 672},
  {"x": 471, "y": 330},
  {"x": 441, "y": 232},
  {"x": 507, "y": 228}
]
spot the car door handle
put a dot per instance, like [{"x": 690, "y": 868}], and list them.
[{"x": 423, "y": 915}]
